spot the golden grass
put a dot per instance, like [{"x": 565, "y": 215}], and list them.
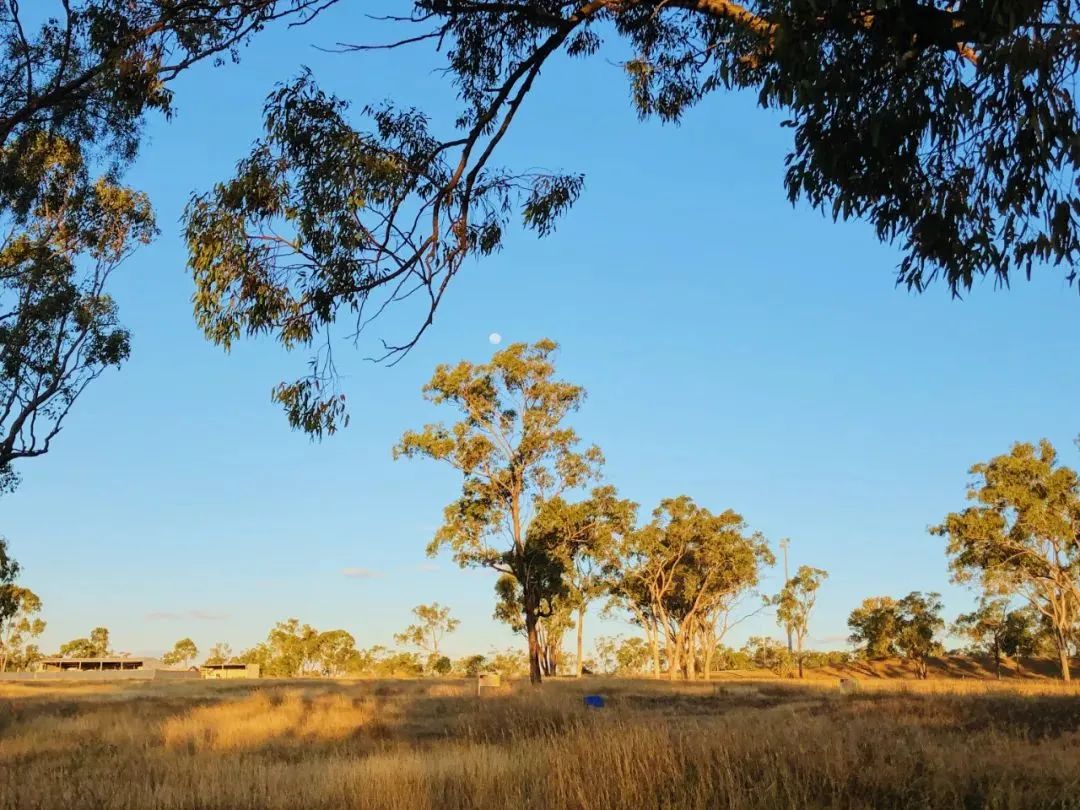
[{"x": 732, "y": 743}]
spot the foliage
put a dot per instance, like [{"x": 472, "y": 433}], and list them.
[
  {"x": 885, "y": 627},
  {"x": 19, "y": 627},
  {"x": 96, "y": 646},
  {"x": 768, "y": 653},
  {"x": 1023, "y": 536},
  {"x": 995, "y": 630},
  {"x": 295, "y": 650},
  {"x": 794, "y": 604},
  {"x": 9, "y": 572},
  {"x": 621, "y": 656},
  {"x": 59, "y": 329},
  {"x": 874, "y": 627},
  {"x": 76, "y": 83},
  {"x": 918, "y": 623},
  {"x": 515, "y": 455},
  {"x": 553, "y": 620},
  {"x": 473, "y": 665},
  {"x": 683, "y": 574},
  {"x": 433, "y": 623},
  {"x": 607, "y": 648},
  {"x": 580, "y": 538},
  {"x": 510, "y": 663},
  {"x": 632, "y": 656},
  {"x": 182, "y": 653},
  {"x": 951, "y": 129},
  {"x": 220, "y": 653}
]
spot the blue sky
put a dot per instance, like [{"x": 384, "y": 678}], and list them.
[{"x": 735, "y": 349}]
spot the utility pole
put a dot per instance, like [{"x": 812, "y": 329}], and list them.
[{"x": 784, "y": 543}]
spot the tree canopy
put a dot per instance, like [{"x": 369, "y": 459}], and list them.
[
  {"x": 795, "y": 602},
  {"x": 96, "y": 646},
  {"x": 516, "y": 455},
  {"x": 883, "y": 627},
  {"x": 77, "y": 80},
  {"x": 433, "y": 623},
  {"x": 183, "y": 652},
  {"x": 1023, "y": 536},
  {"x": 682, "y": 574},
  {"x": 950, "y": 128}
]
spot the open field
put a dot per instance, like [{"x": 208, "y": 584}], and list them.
[{"x": 434, "y": 744}]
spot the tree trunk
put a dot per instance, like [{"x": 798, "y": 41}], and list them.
[
  {"x": 1063, "y": 656},
  {"x": 674, "y": 656},
  {"x": 997, "y": 659},
  {"x": 798, "y": 657},
  {"x": 654, "y": 642},
  {"x": 535, "y": 676},
  {"x": 580, "y": 640}
]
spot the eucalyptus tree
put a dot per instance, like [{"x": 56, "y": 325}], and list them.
[
  {"x": 919, "y": 622},
  {"x": 94, "y": 646},
  {"x": 874, "y": 627},
  {"x": 220, "y": 653},
  {"x": 77, "y": 81},
  {"x": 9, "y": 572},
  {"x": 1023, "y": 536},
  {"x": 19, "y": 625},
  {"x": 515, "y": 453},
  {"x": 951, "y": 128},
  {"x": 183, "y": 652},
  {"x": 794, "y": 604},
  {"x": 433, "y": 623},
  {"x": 684, "y": 572},
  {"x": 555, "y": 618},
  {"x": 885, "y": 627},
  {"x": 582, "y": 536}
]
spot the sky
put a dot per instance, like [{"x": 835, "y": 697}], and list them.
[{"x": 750, "y": 354}]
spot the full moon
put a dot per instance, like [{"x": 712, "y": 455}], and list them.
[{"x": 495, "y": 338}]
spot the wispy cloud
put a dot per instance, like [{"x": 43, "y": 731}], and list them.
[
  {"x": 428, "y": 566},
  {"x": 361, "y": 573},
  {"x": 185, "y": 615},
  {"x": 830, "y": 640}
]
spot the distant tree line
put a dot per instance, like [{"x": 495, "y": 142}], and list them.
[{"x": 534, "y": 508}]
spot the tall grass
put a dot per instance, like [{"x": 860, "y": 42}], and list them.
[{"x": 744, "y": 744}]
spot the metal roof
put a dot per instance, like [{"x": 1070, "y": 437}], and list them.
[{"x": 108, "y": 659}]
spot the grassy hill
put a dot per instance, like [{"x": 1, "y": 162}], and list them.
[{"x": 949, "y": 666}]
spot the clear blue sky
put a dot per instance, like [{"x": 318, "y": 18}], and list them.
[{"x": 748, "y": 354}]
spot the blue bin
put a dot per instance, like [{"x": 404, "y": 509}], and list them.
[{"x": 594, "y": 701}]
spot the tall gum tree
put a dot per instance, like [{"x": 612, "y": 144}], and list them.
[
  {"x": 581, "y": 537},
  {"x": 682, "y": 573},
  {"x": 1023, "y": 535},
  {"x": 515, "y": 453},
  {"x": 951, "y": 128}
]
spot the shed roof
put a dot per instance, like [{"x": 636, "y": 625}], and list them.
[{"x": 105, "y": 659}]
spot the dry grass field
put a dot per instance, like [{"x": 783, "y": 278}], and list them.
[{"x": 434, "y": 744}]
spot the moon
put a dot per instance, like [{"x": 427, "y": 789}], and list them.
[{"x": 494, "y": 338}]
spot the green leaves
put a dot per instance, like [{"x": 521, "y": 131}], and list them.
[
  {"x": 1023, "y": 536},
  {"x": 510, "y": 445},
  {"x": 324, "y": 220},
  {"x": 76, "y": 82},
  {"x": 952, "y": 131},
  {"x": 183, "y": 652}
]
